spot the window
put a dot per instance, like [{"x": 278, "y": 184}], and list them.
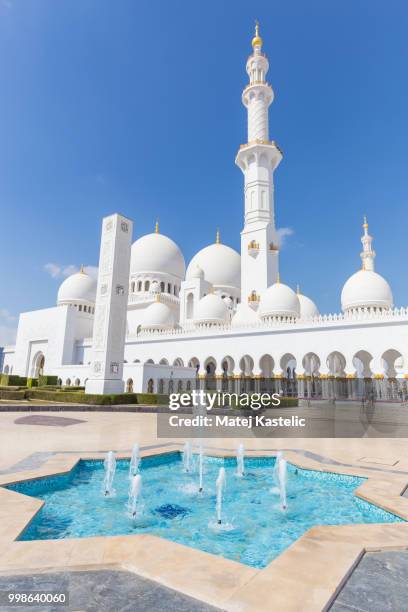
[
  {"x": 80, "y": 308},
  {"x": 162, "y": 287},
  {"x": 139, "y": 286},
  {"x": 168, "y": 288},
  {"x": 190, "y": 306},
  {"x": 147, "y": 285}
]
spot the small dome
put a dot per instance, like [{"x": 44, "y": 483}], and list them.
[
  {"x": 157, "y": 316},
  {"x": 244, "y": 316},
  {"x": 280, "y": 301},
  {"x": 366, "y": 289},
  {"x": 77, "y": 288},
  {"x": 196, "y": 271},
  {"x": 308, "y": 308},
  {"x": 157, "y": 253},
  {"x": 211, "y": 309},
  {"x": 221, "y": 265}
]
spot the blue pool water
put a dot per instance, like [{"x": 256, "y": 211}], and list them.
[{"x": 255, "y": 530}]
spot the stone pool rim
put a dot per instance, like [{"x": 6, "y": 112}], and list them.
[{"x": 323, "y": 557}]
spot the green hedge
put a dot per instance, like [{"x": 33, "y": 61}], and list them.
[
  {"x": 44, "y": 381},
  {"x": 12, "y": 394},
  {"x": 32, "y": 382},
  {"x": 12, "y": 380},
  {"x": 79, "y": 397}
]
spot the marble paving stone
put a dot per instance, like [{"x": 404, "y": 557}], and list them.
[
  {"x": 102, "y": 591},
  {"x": 378, "y": 584}
]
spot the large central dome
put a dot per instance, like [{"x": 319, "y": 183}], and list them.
[
  {"x": 157, "y": 253},
  {"x": 221, "y": 265}
]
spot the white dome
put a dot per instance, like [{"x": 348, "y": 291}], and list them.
[
  {"x": 279, "y": 300},
  {"x": 157, "y": 253},
  {"x": 211, "y": 309},
  {"x": 308, "y": 308},
  {"x": 366, "y": 289},
  {"x": 244, "y": 316},
  {"x": 221, "y": 265},
  {"x": 157, "y": 316},
  {"x": 78, "y": 288},
  {"x": 196, "y": 271}
]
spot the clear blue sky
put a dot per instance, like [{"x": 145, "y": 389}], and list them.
[{"x": 136, "y": 107}]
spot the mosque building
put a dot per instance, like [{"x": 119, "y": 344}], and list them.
[{"x": 226, "y": 318}]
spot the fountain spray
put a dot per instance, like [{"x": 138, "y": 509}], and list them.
[
  {"x": 110, "y": 468},
  {"x": 220, "y": 486},
  {"x": 240, "y": 460},
  {"x": 134, "y": 461},
  {"x": 200, "y": 469},
  {"x": 187, "y": 456},
  {"x": 134, "y": 492}
]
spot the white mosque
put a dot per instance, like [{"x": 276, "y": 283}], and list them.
[{"x": 226, "y": 318}]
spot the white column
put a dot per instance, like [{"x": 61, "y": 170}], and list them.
[{"x": 109, "y": 330}]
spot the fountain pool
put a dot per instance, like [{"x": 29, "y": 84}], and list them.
[{"x": 171, "y": 506}]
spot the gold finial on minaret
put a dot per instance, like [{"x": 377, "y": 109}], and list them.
[
  {"x": 156, "y": 227},
  {"x": 257, "y": 40},
  {"x": 298, "y": 289},
  {"x": 82, "y": 269},
  {"x": 278, "y": 279},
  {"x": 217, "y": 237},
  {"x": 365, "y": 224}
]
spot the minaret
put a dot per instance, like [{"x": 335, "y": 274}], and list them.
[
  {"x": 367, "y": 255},
  {"x": 258, "y": 159}
]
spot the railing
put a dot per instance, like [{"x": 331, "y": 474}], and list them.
[{"x": 330, "y": 320}]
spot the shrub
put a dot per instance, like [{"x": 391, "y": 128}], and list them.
[
  {"x": 12, "y": 394},
  {"x": 32, "y": 382},
  {"x": 12, "y": 380},
  {"x": 79, "y": 397},
  {"x": 44, "y": 381}
]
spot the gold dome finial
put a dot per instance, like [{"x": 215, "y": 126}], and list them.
[
  {"x": 156, "y": 227},
  {"x": 278, "y": 279},
  {"x": 82, "y": 269},
  {"x": 257, "y": 40},
  {"x": 217, "y": 237}
]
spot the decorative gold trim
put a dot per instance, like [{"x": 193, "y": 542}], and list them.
[
  {"x": 257, "y": 40},
  {"x": 253, "y": 297}
]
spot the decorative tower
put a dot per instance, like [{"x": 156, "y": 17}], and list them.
[
  {"x": 367, "y": 254},
  {"x": 258, "y": 159},
  {"x": 108, "y": 341}
]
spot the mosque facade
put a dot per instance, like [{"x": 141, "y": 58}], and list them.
[{"x": 226, "y": 320}]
